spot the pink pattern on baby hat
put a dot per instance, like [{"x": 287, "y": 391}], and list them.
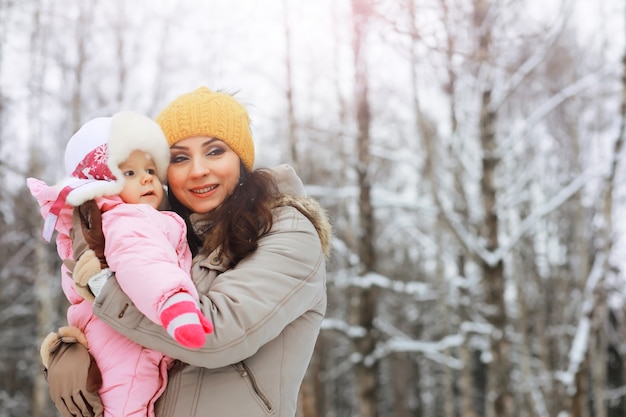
[{"x": 94, "y": 165}]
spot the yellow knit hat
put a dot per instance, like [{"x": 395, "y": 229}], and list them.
[{"x": 214, "y": 114}]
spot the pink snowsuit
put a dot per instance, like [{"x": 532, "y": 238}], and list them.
[{"x": 147, "y": 249}]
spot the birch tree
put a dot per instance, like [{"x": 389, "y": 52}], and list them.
[
  {"x": 47, "y": 300},
  {"x": 363, "y": 298}
]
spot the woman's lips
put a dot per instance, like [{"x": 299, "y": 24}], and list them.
[{"x": 203, "y": 190}]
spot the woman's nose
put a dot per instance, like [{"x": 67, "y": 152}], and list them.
[{"x": 199, "y": 167}]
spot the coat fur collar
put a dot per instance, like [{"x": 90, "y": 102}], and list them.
[{"x": 313, "y": 211}]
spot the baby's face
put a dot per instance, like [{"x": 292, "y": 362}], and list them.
[{"x": 141, "y": 183}]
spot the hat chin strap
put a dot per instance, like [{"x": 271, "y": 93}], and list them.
[{"x": 53, "y": 215}]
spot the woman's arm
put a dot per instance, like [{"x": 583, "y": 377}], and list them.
[{"x": 249, "y": 305}]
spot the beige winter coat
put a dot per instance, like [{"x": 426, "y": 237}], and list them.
[{"x": 266, "y": 312}]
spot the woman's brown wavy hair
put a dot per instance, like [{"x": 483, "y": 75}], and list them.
[{"x": 239, "y": 222}]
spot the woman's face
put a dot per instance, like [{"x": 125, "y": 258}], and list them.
[{"x": 203, "y": 171}]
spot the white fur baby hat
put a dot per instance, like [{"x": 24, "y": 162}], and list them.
[{"x": 94, "y": 153}]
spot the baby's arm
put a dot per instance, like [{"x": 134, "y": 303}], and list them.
[{"x": 148, "y": 268}]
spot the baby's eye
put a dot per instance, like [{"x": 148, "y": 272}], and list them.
[
  {"x": 151, "y": 171},
  {"x": 129, "y": 173}
]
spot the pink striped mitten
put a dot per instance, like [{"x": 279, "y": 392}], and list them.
[{"x": 184, "y": 321}]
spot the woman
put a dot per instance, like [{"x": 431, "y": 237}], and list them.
[{"x": 259, "y": 267}]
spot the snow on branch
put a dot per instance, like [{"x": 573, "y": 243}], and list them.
[
  {"x": 421, "y": 290},
  {"x": 581, "y": 338},
  {"x": 493, "y": 257},
  {"x": 435, "y": 351},
  {"x": 17, "y": 259},
  {"x": 341, "y": 326},
  {"x": 455, "y": 223},
  {"x": 432, "y": 350},
  {"x": 555, "y": 202},
  {"x": 615, "y": 394},
  {"x": 536, "y": 59},
  {"x": 568, "y": 92},
  {"x": 12, "y": 168},
  {"x": 15, "y": 311}
]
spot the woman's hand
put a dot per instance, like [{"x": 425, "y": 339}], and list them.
[
  {"x": 89, "y": 269},
  {"x": 72, "y": 374},
  {"x": 86, "y": 267},
  {"x": 87, "y": 232}
]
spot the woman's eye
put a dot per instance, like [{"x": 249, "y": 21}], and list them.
[
  {"x": 177, "y": 158},
  {"x": 215, "y": 151}
]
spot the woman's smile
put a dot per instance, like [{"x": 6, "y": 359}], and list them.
[
  {"x": 204, "y": 189},
  {"x": 203, "y": 172}
]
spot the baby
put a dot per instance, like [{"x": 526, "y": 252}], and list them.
[{"x": 120, "y": 162}]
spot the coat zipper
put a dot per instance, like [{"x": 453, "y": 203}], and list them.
[{"x": 244, "y": 371}]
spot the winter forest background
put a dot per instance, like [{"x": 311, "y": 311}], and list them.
[{"x": 469, "y": 153}]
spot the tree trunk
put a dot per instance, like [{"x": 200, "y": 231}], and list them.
[
  {"x": 45, "y": 319},
  {"x": 598, "y": 347},
  {"x": 401, "y": 381},
  {"x": 580, "y": 400},
  {"x": 310, "y": 396},
  {"x": 46, "y": 311},
  {"x": 500, "y": 399},
  {"x": 363, "y": 305},
  {"x": 292, "y": 139},
  {"x": 467, "y": 386},
  {"x": 493, "y": 275}
]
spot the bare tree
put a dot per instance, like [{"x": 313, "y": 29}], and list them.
[
  {"x": 292, "y": 139},
  {"x": 363, "y": 299},
  {"x": 47, "y": 301}
]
